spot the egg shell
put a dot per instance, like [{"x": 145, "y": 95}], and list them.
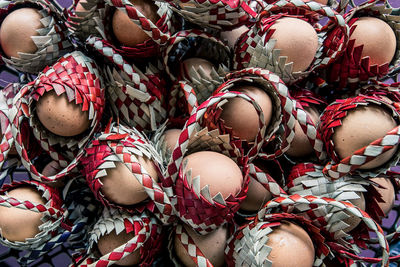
[
  {"x": 211, "y": 245},
  {"x": 387, "y": 193},
  {"x": 121, "y": 186},
  {"x": 17, "y": 29},
  {"x": 231, "y": 37},
  {"x": 353, "y": 221},
  {"x": 60, "y": 116},
  {"x": 171, "y": 137},
  {"x": 359, "y": 128},
  {"x": 52, "y": 168},
  {"x": 18, "y": 224},
  {"x": 290, "y": 239},
  {"x": 241, "y": 116},
  {"x": 297, "y": 40},
  {"x": 216, "y": 170},
  {"x": 126, "y": 31},
  {"x": 324, "y": 2},
  {"x": 257, "y": 196},
  {"x": 301, "y": 145},
  {"x": 377, "y": 38},
  {"x": 195, "y": 63},
  {"x": 109, "y": 242}
]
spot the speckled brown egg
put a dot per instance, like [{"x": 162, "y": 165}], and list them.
[
  {"x": 17, "y": 29},
  {"x": 60, "y": 116},
  {"x": 291, "y": 246},
  {"x": 360, "y": 127},
  {"x": 377, "y": 38},
  {"x": 301, "y": 145},
  {"x": 216, "y": 170},
  {"x": 212, "y": 245},
  {"x": 18, "y": 224},
  {"x": 121, "y": 186},
  {"x": 241, "y": 116},
  {"x": 297, "y": 40},
  {"x": 126, "y": 31},
  {"x": 109, "y": 242}
]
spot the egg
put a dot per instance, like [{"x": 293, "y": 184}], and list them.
[
  {"x": 17, "y": 29},
  {"x": 256, "y": 197},
  {"x": 324, "y": 2},
  {"x": 51, "y": 169},
  {"x": 241, "y": 116},
  {"x": 301, "y": 145},
  {"x": 387, "y": 193},
  {"x": 60, "y": 116},
  {"x": 196, "y": 63},
  {"x": 171, "y": 137},
  {"x": 216, "y": 170},
  {"x": 211, "y": 245},
  {"x": 297, "y": 40},
  {"x": 290, "y": 239},
  {"x": 18, "y": 224},
  {"x": 377, "y": 38},
  {"x": 109, "y": 242},
  {"x": 230, "y": 37},
  {"x": 121, "y": 186},
  {"x": 354, "y": 221},
  {"x": 360, "y": 127},
  {"x": 126, "y": 31}
]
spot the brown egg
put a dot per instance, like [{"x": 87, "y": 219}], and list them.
[
  {"x": 217, "y": 171},
  {"x": 18, "y": 224},
  {"x": 121, "y": 186},
  {"x": 126, "y": 31},
  {"x": 291, "y": 246},
  {"x": 171, "y": 138},
  {"x": 387, "y": 193},
  {"x": 378, "y": 39},
  {"x": 360, "y": 127},
  {"x": 324, "y": 2},
  {"x": 297, "y": 40},
  {"x": 256, "y": 197},
  {"x": 300, "y": 145},
  {"x": 17, "y": 29},
  {"x": 353, "y": 221},
  {"x": 241, "y": 115},
  {"x": 230, "y": 37},
  {"x": 212, "y": 245},
  {"x": 109, "y": 242},
  {"x": 195, "y": 63},
  {"x": 60, "y": 116},
  {"x": 51, "y": 169}
]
